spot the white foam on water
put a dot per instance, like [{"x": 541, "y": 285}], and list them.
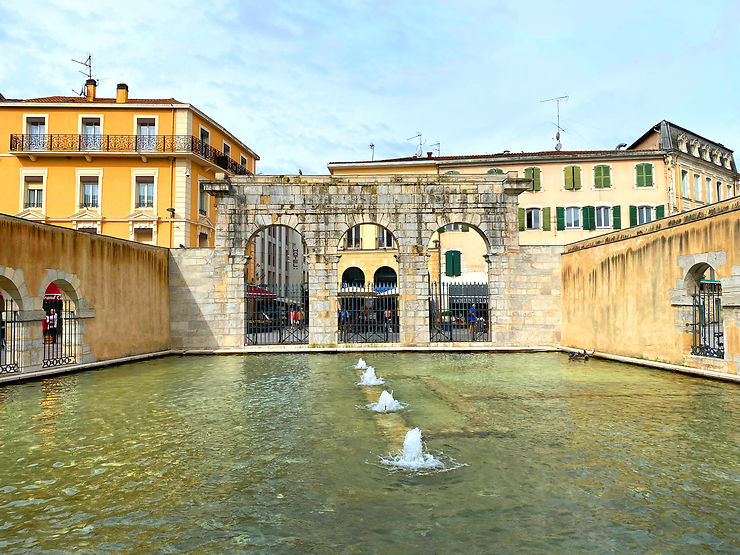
[
  {"x": 413, "y": 458},
  {"x": 386, "y": 403},
  {"x": 361, "y": 364},
  {"x": 369, "y": 378}
]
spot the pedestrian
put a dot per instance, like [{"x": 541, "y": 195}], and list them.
[
  {"x": 387, "y": 317},
  {"x": 472, "y": 319},
  {"x": 293, "y": 317},
  {"x": 51, "y": 324}
]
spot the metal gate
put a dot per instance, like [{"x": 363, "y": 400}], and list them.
[
  {"x": 275, "y": 314},
  {"x": 60, "y": 335},
  {"x": 458, "y": 312},
  {"x": 368, "y": 313},
  {"x": 708, "y": 336},
  {"x": 10, "y": 337}
]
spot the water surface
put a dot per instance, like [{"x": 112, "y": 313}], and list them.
[{"x": 279, "y": 453}]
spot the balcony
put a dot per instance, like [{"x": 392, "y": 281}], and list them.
[{"x": 141, "y": 145}]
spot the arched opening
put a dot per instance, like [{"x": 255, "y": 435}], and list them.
[
  {"x": 707, "y": 331},
  {"x": 11, "y": 331},
  {"x": 353, "y": 277},
  {"x": 386, "y": 276},
  {"x": 459, "y": 306},
  {"x": 61, "y": 330},
  {"x": 367, "y": 311},
  {"x": 276, "y": 287}
]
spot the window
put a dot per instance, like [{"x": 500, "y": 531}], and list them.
[
  {"x": 533, "y": 219},
  {"x": 91, "y": 230},
  {"x": 644, "y": 214},
  {"x": 243, "y": 161},
  {"x": 205, "y": 141},
  {"x": 385, "y": 238},
  {"x": 729, "y": 191},
  {"x": 684, "y": 183},
  {"x": 89, "y": 192},
  {"x": 719, "y": 191},
  {"x": 602, "y": 177},
  {"x": 34, "y": 189},
  {"x": 453, "y": 266},
  {"x": 144, "y": 192},
  {"x": 90, "y": 137},
  {"x": 572, "y": 178},
  {"x": 144, "y": 235},
  {"x": 202, "y": 201},
  {"x": 697, "y": 187},
  {"x": 352, "y": 240},
  {"x": 227, "y": 150},
  {"x": 572, "y": 217},
  {"x": 202, "y": 240},
  {"x": 535, "y": 175},
  {"x": 146, "y": 134},
  {"x": 644, "y": 174},
  {"x": 708, "y": 182},
  {"x": 603, "y": 217},
  {"x": 495, "y": 171},
  {"x": 36, "y": 133}
]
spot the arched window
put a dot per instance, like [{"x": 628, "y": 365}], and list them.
[
  {"x": 706, "y": 323},
  {"x": 495, "y": 171},
  {"x": 385, "y": 275},
  {"x": 453, "y": 266},
  {"x": 353, "y": 277}
]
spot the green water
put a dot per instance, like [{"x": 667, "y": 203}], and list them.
[{"x": 278, "y": 454}]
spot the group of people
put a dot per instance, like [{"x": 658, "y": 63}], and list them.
[
  {"x": 295, "y": 317},
  {"x": 366, "y": 318}
]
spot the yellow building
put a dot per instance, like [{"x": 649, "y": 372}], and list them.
[
  {"x": 121, "y": 166},
  {"x": 368, "y": 255},
  {"x": 580, "y": 194}
]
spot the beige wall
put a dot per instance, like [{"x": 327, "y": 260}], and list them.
[
  {"x": 627, "y": 293},
  {"x": 122, "y": 287}
]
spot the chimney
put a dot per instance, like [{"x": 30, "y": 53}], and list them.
[
  {"x": 121, "y": 93},
  {"x": 90, "y": 85},
  {"x": 429, "y": 154}
]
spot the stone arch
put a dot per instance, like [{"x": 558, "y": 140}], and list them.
[
  {"x": 385, "y": 275},
  {"x": 353, "y": 220},
  {"x": 291, "y": 274},
  {"x": 14, "y": 284},
  {"x": 264, "y": 221},
  {"x": 70, "y": 285},
  {"x": 695, "y": 274},
  {"x": 353, "y": 276},
  {"x": 473, "y": 221}
]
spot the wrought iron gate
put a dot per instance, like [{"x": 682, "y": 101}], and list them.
[
  {"x": 368, "y": 313},
  {"x": 275, "y": 314},
  {"x": 458, "y": 312},
  {"x": 60, "y": 335},
  {"x": 707, "y": 332},
  {"x": 10, "y": 337}
]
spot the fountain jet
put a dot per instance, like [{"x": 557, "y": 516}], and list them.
[
  {"x": 361, "y": 364},
  {"x": 386, "y": 403},
  {"x": 369, "y": 378},
  {"x": 412, "y": 457}
]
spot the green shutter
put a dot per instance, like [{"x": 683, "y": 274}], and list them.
[
  {"x": 528, "y": 175},
  {"x": 602, "y": 177},
  {"x": 589, "y": 217},
  {"x": 441, "y": 229},
  {"x": 495, "y": 170},
  {"x": 633, "y": 215},
  {"x": 449, "y": 264},
  {"x": 568, "y": 174},
  {"x": 659, "y": 212},
  {"x": 576, "y": 178},
  {"x": 617, "y": 217},
  {"x": 546, "y": 218},
  {"x": 644, "y": 175},
  {"x": 560, "y": 217},
  {"x": 522, "y": 216},
  {"x": 458, "y": 265},
  {"x": 465, "y": 228},
  {"x": 536, "y": 173}
]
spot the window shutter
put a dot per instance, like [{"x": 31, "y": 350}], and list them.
[
  {"x": 648, "y": 175},
  {"x": 568, "y": 174},
  {"x": 602, "y": 178},
  {"x": 560, "y": 217},
  {"x": 522, "y": 216},
  {"x": 536, "y": 174},
  {"x": 546, "y": 218},
  {"x": 528, "y": 175},
  {"x": 659, "y": 212},
  {"x": 617, "y": 217},
  {"x": 576, "y": 178},
  {"x": 589, "y": 217},
  {"x": 458, "y": 266},
  {"x": 465, "y": 228},
  {"x": 441, "y": 229},
  {"x": 449, "y": 263},
  {"x": 633, "y": 215}
]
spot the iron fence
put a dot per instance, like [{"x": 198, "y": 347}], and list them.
[
  {"x": 707, "y": 332},
  {"x": 60, "y": 334},
  {"x": 125, "y": 143},
  {"x": 368, "y": 313},
  {"x": 11, "y": 338},
  {"x": 275, "y": 314},
  {"x": 459, "y": 312}
]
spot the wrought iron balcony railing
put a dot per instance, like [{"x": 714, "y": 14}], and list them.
[{"x": 141, "y": 144}]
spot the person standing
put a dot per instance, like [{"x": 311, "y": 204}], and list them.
[
  {"x": 472, "y": 319},
  {"x": 387, "y": 317},
  {"x": 51, "y": 324}
]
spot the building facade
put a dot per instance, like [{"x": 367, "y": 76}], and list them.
[{"x": 125, "y": 167}]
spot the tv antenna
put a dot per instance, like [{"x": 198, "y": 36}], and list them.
[
  {"x": 88, "y": 64},
  {"x": 372, "y": 151},
  {"x": 436, "y": 146},
  {"x": 557, "y": 100},
  {"x": 417, "y": 136}
]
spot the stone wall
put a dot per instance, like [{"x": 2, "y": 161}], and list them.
[
  {"x": 119, "y": 289},
  {"x": 629, "y": 292}
]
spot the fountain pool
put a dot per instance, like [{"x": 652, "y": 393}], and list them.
[{"x": 270, "y": 452}]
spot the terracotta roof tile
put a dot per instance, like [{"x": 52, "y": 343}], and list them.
[{"x": 83, "y": 100}]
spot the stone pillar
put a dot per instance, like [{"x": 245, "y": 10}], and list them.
[
  {"x": 322, "y": 299},
  {"x": 413, "y": 296}
]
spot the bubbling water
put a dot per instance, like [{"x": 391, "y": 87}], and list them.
[
  {"x": 412, "y": 457},
  {"x": 361, "y": 364},
  {"x": 369, "y": 378},
  {"x": 386, "y": 403}
]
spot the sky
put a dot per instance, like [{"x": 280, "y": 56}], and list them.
[{"x": 309, "y": 82}]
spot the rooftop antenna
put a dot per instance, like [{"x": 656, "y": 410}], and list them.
[
  {"x": 557, "y": 100},
  {"x": 88, "y": 64},
  {"x": 372, "y": 151},
  {"x": 436, "y": 146},
  {"x": 417, "y": 136}
]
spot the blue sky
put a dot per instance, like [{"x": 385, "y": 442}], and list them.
[{"x": 305, "y": 83}]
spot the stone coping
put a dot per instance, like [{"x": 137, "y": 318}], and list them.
[{"x": 361, "y": 348}]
